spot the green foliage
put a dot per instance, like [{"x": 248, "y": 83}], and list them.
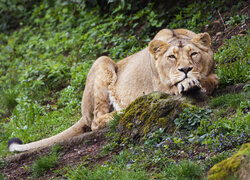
[
  {"x": 114, "y": 139},
  {"x": 42, "y": 79},
  {"x": 106, "y": 172},
  {"x": 8, "y": 101},
  {"x": 155, "y": 137},
  {"x": 236, "y": 19},
  {"x": 225, "y": 133},
  {"x": 46, "y": 163},
  {"x": 233, "y": 61},
  {"x": 190, "y": 118},
  {"x": 1, "y": 176},
  {"x": 2, "y": 163},
  {"x": 230, "y": 101},
  {"x": 209, "y": 162},
  {"x": 183, "y": 170},
  {"x": 14, "y": 12},
  {"x": 114, "y": 122},
  {"x": 194, "y": 16}
]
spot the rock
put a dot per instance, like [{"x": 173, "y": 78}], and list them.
[
  {"x": 151, "y": 112},
  {"x": 236, "y": 166}
]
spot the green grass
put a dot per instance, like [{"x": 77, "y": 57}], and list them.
[
  {"x": 184, "y": 170},
  {"x": 46, "y": 163},
  {"x": 106, "y": 173},
  {"x": 231, "y": 101},
  {"x": 233, "y": 61},
  {"x": 1, "y": 176}
]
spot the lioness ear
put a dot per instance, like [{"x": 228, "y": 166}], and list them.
[
  {"x": 203, "y": 39},
  {"x": 157, "y": 48}
]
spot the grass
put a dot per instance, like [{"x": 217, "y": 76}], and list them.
[
  {"x": 229, "y": 101},
  {"x": 46, "y": 163},
  {"x": 106, "y": 173},
  {"x": 232, "y": 61},
  {"x": 1, "y": 176},
  {"x": 184, "y": 170}
]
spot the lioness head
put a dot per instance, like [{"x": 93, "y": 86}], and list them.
[{"x": 182, "y": 58}]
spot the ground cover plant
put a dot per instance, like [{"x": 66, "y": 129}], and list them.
[{"x": 47, "y": 49}]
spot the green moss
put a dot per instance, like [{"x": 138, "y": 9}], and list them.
[
  {"x": 229, "y": 167},
  {"x": 147, "y": 113},
  {"x": 162, "y": 121},
  {"x": 188, "y": 105},
  {"x": 129, "y": 125}
]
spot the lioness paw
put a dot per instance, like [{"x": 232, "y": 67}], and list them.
[{"x": 188, "y": 84}]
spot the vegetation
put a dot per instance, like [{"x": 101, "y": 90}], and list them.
[
  {"x": 233, "y": 61},
  {"x": 46, "y": 163},
  {"x": 47, "y": 48}
]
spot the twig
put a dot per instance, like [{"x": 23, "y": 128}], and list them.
[
  {"x": 232, "y": 30},
  {"x": 222, "y": 20},
  {"x": 243, "y": 9}
]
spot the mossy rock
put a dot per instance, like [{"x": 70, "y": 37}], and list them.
[
  {"x": 151, "y": 112},
  {"x": 237, "y": 166}
]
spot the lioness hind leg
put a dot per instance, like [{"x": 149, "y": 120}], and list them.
[
  {"x": 210, "y": 83},
  {"x": 101, "y": 121},
  {"x": 105, "y": 76}
]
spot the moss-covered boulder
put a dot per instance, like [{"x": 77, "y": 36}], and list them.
[
  {"x": 236, "y": 166},
  {"x": 151, "y": 112}
]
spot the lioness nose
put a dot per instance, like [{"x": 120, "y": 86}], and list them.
[{"x": 185, "y": 69}]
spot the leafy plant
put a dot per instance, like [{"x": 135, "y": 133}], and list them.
[
  {"x": 154, "y": 138},
  {"x": 224, "y": 133},
  {"x": 190, "y": 118},
  {"x": 236, "y": 19}
]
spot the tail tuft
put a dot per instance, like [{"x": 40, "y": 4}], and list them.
[{"x": 12, "y": 142}]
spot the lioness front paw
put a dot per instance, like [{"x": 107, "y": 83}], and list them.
[{"x": 188, "y": 84}]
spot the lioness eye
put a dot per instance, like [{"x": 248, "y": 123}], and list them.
[
  {"x": 193, "y": 54},
  {"x": 172, "y": 57}
]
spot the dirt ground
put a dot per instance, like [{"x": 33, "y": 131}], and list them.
[{"x": 87, "y": 147}]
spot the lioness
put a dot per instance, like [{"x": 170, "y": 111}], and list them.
[{"x": 174, "y": 62}]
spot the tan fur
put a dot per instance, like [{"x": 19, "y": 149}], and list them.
[{"x": 175, "y": 61}]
